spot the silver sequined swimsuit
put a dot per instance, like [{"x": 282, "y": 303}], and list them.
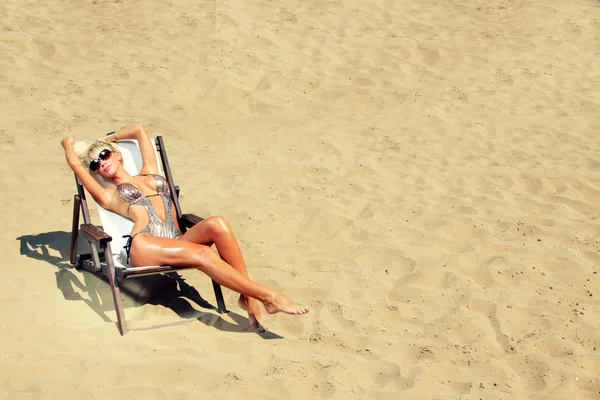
[{"x": 132, "y": 195}]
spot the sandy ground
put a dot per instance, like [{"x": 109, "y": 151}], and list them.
[{"x": 425, "y": 176}]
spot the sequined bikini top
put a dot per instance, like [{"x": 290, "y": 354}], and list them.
[{"x": 156, "y": 227}]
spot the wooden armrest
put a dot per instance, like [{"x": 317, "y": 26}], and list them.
[
  {"x": 189, "y": 220},
  {"x": 95, "y": 234}
]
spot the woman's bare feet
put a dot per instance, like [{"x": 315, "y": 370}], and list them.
[
  {"x": 280, "y": 303},
  {"x": 257, "y": 320}
]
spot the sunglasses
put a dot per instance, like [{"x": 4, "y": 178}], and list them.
[{"x": 104, "y": 155}]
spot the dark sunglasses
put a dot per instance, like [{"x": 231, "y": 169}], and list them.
[{"x": 104, "y": 155}]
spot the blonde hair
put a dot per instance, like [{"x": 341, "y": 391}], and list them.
[{"x": 87, "y": 150}]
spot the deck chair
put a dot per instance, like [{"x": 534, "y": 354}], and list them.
[{"x": 107, "y": 256}]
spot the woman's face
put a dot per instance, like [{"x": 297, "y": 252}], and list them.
[{"x": 105, "y": 161}]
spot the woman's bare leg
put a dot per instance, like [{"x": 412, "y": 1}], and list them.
[
  {"x": 216, "y": 230},
  {"x": 149, "y": 250}
]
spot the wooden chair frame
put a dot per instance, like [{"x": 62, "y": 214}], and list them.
[{"x": 97, "y": 263}]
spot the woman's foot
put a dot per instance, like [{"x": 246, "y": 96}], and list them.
[
  {"x": 255, "y": 316},
  {"x": 280, "y": 303}
]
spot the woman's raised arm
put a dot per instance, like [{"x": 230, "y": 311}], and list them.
[
  {"x": 139, "y": 133},
  {"x": 100, "y": 194}
]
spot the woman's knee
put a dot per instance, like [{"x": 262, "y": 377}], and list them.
[
  {"x": 217, "y": 226},
  {"x": 203, "y": 256}
]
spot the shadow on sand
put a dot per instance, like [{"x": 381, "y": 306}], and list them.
[{"x": 170, "y": 290}]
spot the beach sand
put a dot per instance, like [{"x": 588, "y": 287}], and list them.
[{"x": 425, "y": 176}]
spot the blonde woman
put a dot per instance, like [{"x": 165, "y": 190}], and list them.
[{"x": 156, "y": 238}]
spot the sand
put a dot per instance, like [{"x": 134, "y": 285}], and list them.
[{"x": 425, "y": 176}]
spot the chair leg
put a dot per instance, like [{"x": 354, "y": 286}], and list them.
[
  {"x": 219, "y": 295},
  {"x": 75, "y": 229},
  {"x": 116, "y": 292}
]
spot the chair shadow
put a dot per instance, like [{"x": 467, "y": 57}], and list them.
[{"x": 168, "y": 290}]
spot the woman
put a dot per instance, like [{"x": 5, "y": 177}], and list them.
[{"x": 155, "y": 238}]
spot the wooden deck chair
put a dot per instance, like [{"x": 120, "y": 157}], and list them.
[{"x": 107, "y": 256}]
